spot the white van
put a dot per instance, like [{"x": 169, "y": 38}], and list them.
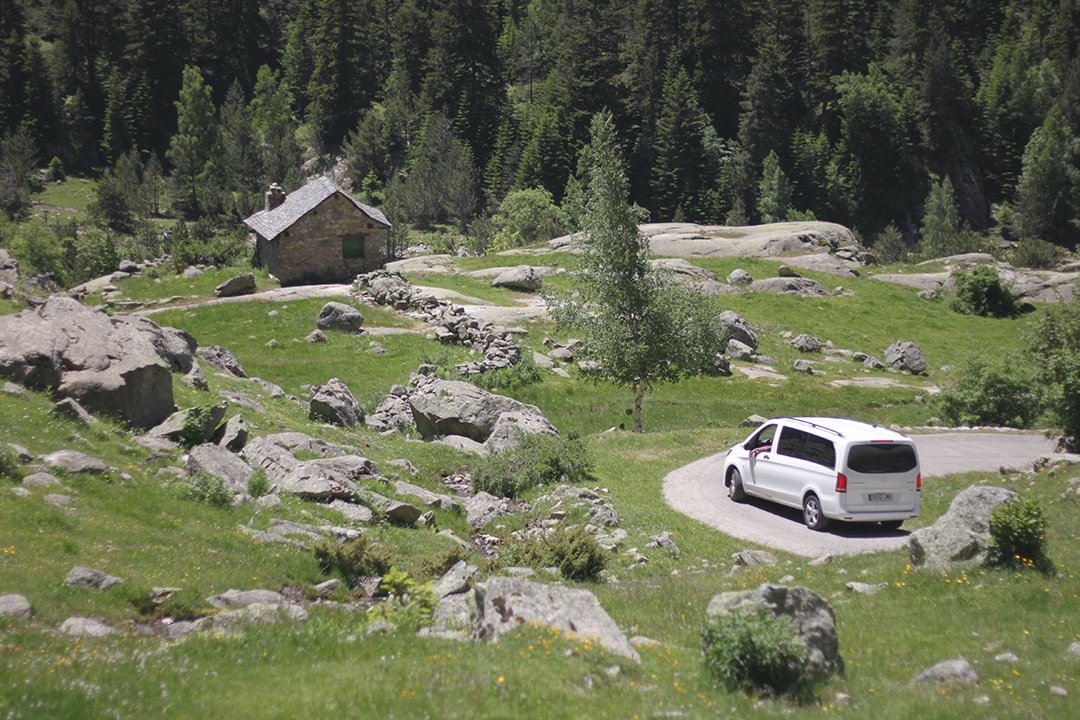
[{"x": 832, "y": 468}]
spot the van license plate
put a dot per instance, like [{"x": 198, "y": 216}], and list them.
[{"x": 879, "y": 497}]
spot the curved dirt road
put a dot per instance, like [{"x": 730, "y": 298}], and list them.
[{"x": 697, "y": 491}]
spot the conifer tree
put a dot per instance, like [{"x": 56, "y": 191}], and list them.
[
  {"x": 679, "y": 177},
  {"x": 1047, "y": 199},
  {"x": 941, "y": 224},
  {"x": 774, "y": 191},
  {"x": 193, "y": 148},
  {"x": 240, "y": 168},
  {"x": 274, "y": 129}
]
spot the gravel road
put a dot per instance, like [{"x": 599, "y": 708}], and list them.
[{"x": 697, "y": 491}]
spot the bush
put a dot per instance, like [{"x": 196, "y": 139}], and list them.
[
  {"x": 574, "y": 551},
  {"x": 205, "y": 489},
  {"x": 1055, "y": 350},
  {"x": 1018, "y": 536},
  {"x": 9, "y": 462},
  {"x": 201, "y": 245},
  {"x": 437, "y": 567},
  {"x": 354, "y": 559},
  {"x": 889, "y": 247},
  {"x": 1033, "y": 252},
  {"x": 524, "y": 372},
  {"x": 258, "y": 485},
  {"x": 196, "y": 427},
  {"x": 992, "y": 394},
  {"x": 979, "y": 292},
  {"x": 528, "y": 216},
  {"x": 537, "y": 460},
  {"x": 409, "y": 603},
  {"x": 756, "y": 653}
]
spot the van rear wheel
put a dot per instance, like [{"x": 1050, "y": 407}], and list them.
[
  {"x": 812, "y": 515},
  {"x": 735, "y": 489}
]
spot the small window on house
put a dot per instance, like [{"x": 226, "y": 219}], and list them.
[{"x": 352, "y": 246}]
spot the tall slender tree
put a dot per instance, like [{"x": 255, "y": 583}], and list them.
[{"x": 193, "y": 149}]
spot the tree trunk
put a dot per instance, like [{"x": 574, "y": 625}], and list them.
[{"x": 637, "y": 405}]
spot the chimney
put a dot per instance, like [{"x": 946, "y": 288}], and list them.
[{"x": 274, "y": 196}]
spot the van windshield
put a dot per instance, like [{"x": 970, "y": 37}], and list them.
[{"x": 882, "y": 458}]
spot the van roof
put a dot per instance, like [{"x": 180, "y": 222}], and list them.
[{"x": 852, "y": 430}]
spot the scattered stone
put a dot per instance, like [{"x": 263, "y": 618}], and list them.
[
  {"x": 455, "y": 581},
  {"x": 216, "y": 461},
  {"x": 191, "y": 272},
  {"x": 12, "y": 389},
  {"x": 1074, "y": 649},
  {"x": 380, "y": 627},
  {"x": 191, "y": 426},
  {"x": 522, "y": 277},
  {"x": 739, "y": 351},
  {"x": 85, "y": 627},
  {"x": 803, "y": 366},
  {"x": 15, "y": 606},
  {"x": 392, "y": 413},
  {"x": 426, "y": 496},
  {"x": 73, "y": 461},
  {"x": 243, "y": 284},
  {"x": 259, "y": 613},
  {"x": 1007, "y": 657},
  {"x": 243, "y": 598},
  {"x": 325, "y": 589},
  {"x": 71, "y": 409},
  {"x": 405, "y": 464},
  {"x": 750, "y": 558},
  {"x": 813, "y": 618},
  {"x": 791, "y": 286},
  {"x": 195, "y": 378},
  {"x": 454, "y": 407},
  {"x": 267, "y": 502},
  {"x": 40, "y": 480},
  {"x": 397, "y": 512},
  {"x": 341, "y": 317},
  {"x": 233, "y": 435},
  {"x": 906, "y": 356},
  {"x": 504, "y": 604},
  {"x": 309, "y": 481},
  {"x": 222, "y": 360},
  {"x": 91, "y": 579},
  {"x": 861, "y": 588},
  {"x": 785, "y": 271},
  {"x": 752, "y": 421},
  {"x": 739, "y": 277},
  {"x": 483, "y": 507},
  {"x": 665, "y": 540},
  {"x": 60, "y": 501},
  {"x": 316, "y": 336},
  {"x": 957, "y": 670},
  {"x": 734, "y": 327},
  {"x": 1058, "y": 691},
  {"x": 962, "y": 534},
  {"x": 335, "y": 404},
  {"x": 806, "y": 343},
  {"x": 873, "y": 363},
  {"x": 512, "y": 426}
]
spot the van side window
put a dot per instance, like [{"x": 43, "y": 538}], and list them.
[{"x": 807, "y": 446}]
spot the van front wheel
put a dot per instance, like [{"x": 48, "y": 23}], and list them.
[
  {"x": 735, "y": 489},
  {"x": 812, "y": 515}
]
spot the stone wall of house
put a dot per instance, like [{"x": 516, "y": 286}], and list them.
[{"x": 310, "y": 251}]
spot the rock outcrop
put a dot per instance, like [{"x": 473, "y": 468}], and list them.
[
  {"x": 335, "y": 404},
  {"x": 962, "y": 534},
  {"x": 454, "y": 407}
]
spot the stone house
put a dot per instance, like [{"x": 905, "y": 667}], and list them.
[{"x": 317, "y": 234}]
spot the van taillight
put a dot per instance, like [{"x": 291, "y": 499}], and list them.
[
  {"x": 918, "y": 482},
  {"x": 841, "y": 482}
]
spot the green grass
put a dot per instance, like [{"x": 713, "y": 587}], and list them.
[
  {"x": 163, "y": 284},
  {"x": 73, "y": 193},
  {"x": 142, "y": 531}
]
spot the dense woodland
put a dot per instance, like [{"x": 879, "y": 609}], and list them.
[{"x": 859, "y": 112}]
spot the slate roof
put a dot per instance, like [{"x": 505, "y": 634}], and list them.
[{"x": 271, "y": 223}]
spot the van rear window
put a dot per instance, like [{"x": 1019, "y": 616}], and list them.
[{"x": 882, "y": 458}]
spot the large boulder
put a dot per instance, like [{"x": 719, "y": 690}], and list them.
[
  {"x": 216, "y": 461},
  {"x": 192, "y": 425},
  {"x": 906, "y": 356},
  {"x": 791, "y": 286},
  {"x": 962, "y": 534},
  {"x": 811, "y": 615},
  {"x": 221, "y": 360},
  {"x": 505, "y": 604},
  {"x": 243, "y": 284},
  {"x": 275, "y": 460},
  {"x": 335, "y": 404},
  {"x": 339, "y": 316},
  {"x": 314, "y": 482},
  {"x": 736, "y": 328},
  {"x": 482, "y": 508},
  {"x": 522, "y": 277},
  {"x": 512, "y": 426},
  {"x": 73, "y": 461},
  {"x": 454, "y": 407},
  {"x": 111, "y": 365}
]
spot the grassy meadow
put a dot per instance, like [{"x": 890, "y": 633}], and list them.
[{"x": 131, "y": 524}]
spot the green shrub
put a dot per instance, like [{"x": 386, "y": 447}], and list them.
[
  {"x": 437, "y": 567},
  {"x": 9, "y": 462},
  {"x": 538, "y": 460},
  {"x": 201, "y": 245},
  {"x": 979, "y": 292},
  {"x": 409, "y": 603},
  {"x": 258, "y": 485},
  {"x": 205, "y": 489},
  {"x": 1033, "y": 252},
  {"x": 527, "y": 216},
  {"x": 524, "y": 372},
  {"x": 991, "y": 394},
  {"x": 1018, "y": 535},
  {"x": 196, "y": 427},
  {"x": 354, "y": 559},
  {"x": 889, "y": 247},
  {"x": 1055, "y": 350},
  {"x": 756, "y": 653},
  {"x": 574, "y": 551}
]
